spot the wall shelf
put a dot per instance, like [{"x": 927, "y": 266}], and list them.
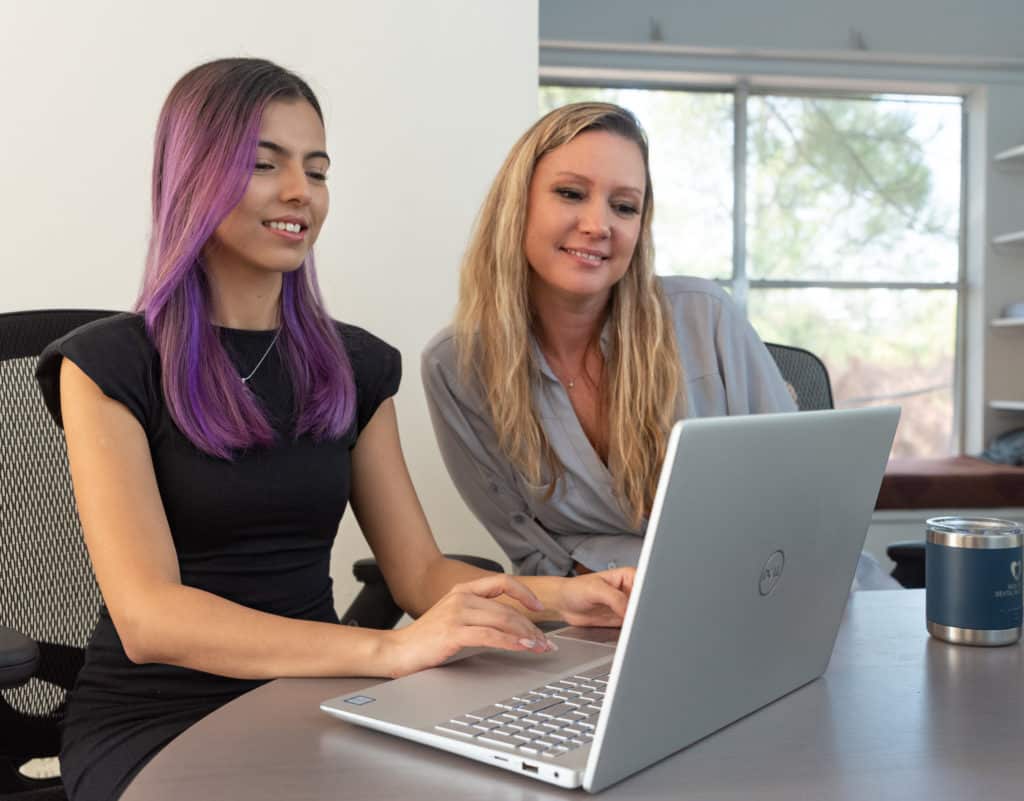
[
  {"x": 1007, "y": 321},
  {"x": 1007, "y": 405},
  {"x": 1013, "y": 154},
  {"x": 1015, "y": 238}
]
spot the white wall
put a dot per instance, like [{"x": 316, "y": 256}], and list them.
[{"x": 422, "y": 99}]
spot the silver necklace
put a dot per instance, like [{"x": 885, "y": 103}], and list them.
[
  {"x": 266, "y": 353},
  {"x": 571, "y": 383}
]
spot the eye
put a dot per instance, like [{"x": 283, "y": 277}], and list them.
[
  {"x": 317, "y": 175},
  {"x": 625, "y": 209},
  {"x": 262, "y": 166},
  {"x": 568, "y": 193}
]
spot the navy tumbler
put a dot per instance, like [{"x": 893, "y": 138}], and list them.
[{"x": 973, "y": 580}]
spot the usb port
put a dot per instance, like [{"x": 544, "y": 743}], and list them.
[{"x": 530, "y": 768}]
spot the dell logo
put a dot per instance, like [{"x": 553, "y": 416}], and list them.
[{"x": 771, "y": 572}]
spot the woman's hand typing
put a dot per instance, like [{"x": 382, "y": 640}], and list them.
[
  {"x": 467, "y": 616},
  {"x": 596, "y": 599}
]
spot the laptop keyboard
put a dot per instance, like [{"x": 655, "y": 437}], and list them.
[{"x": 550, "y": 720}]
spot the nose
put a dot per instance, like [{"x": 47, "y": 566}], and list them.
[
  {"x": 595, "y": 221},
  {"x": 295, "y": 185}
]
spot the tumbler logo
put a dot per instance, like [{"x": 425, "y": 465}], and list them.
[{"x": 1015, "y": 570}]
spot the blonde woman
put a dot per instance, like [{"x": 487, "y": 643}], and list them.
[{"x": 553, "y": 394}]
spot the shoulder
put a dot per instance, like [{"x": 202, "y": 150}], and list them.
[
  {"x": 442, "y": 378},
  {"x": 360, "y": 343},
  {"x": 684, "y": 291},
  {"x": 376, "y": 365},
  {"x": 698, "y": 302},
  {"x": 115, "y": 352},
  {"x": 118, "y": 342},
  {"x": 441, "y": 352},
  {"x": 124, "y": 330},
  {"x": 439, "y": 364}
]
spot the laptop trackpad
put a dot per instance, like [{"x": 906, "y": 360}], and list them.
[
  {"x": 601, "y": 636},
  {"x": 604, "y": 636}
]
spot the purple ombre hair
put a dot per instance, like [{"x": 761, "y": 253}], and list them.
[{"x": 206, "y": 143}]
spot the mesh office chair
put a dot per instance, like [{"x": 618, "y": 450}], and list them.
[
  {"x": 806, "y": 374},
  {"x": 47, "y": 590}
]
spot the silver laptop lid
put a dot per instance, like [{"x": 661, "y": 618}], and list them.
[{"x": 747, "y": 562}]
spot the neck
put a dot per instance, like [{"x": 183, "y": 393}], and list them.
[
  {"x": 245, "y": 299},
  {"x": 566, "y": 326}
]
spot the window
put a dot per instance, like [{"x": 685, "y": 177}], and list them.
[{"x": 850, "y": 241}]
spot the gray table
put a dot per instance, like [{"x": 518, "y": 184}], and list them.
[{"x": 897, "y": 715}]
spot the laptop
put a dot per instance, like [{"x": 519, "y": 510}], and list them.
[{"x": 743, "y": 577}]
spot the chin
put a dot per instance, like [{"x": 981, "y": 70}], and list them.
[
  {"x": 588, "y": 286},
  {"x": 578, "y": 283},
  {"x": 284, "y": 267}
]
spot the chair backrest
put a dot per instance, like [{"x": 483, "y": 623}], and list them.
[
  {"x": 806, "y": 374},
  {"x": 47, "y": 589}
]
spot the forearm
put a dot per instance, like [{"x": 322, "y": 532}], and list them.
[
  {"x": 191, "y": 628},
  {"x": 436, "y": 578}
]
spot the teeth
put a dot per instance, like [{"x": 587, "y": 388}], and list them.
[
  {"x": 293, "y": 228},
  {"x": 588, "y": 256}
]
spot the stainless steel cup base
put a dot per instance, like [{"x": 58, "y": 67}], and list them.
[{"x": 974, "y": 636}]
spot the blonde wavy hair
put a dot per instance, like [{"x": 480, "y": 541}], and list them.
[{"x": 640, "y": 394}]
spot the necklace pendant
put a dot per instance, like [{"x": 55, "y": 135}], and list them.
[
  {"x": 263, "y": 358},
  {"x": 571, "y": 384}
]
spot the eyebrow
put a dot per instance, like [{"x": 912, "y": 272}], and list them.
[
  {"x": 585, "y": 179},
  {"x": 313, "y": 154}
]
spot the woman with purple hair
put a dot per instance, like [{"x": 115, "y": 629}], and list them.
[{"x": 216, "y": 436}]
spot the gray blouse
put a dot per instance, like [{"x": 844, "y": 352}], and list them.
[{"x": 726, "y": 368}]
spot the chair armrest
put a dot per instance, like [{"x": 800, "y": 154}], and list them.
[
  {"x": 19, "y": 657},
  {"x": 909, "y": 557}
]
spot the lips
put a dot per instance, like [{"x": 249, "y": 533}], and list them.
[
  {"x": 591, "y": 257},
  {"x": 290, "y": 228},
  {"x": 292, "y": 225}
]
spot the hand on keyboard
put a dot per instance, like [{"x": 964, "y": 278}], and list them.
[{"x": 467, "y": 616}]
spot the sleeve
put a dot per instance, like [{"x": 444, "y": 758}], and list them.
[
  {"x": 116, "y": 354},
  {"x": 484, "y": 478},
  {"x": 752, "y": 380},
  {"x": 376, "y": 367}
]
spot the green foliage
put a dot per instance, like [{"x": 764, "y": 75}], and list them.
[{"x": 843, "y": 189}]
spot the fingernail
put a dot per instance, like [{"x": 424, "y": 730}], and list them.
[
  {"x": 528, "y": 643},
  {"x": 552, "y": 646}
]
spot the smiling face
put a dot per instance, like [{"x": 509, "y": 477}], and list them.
[
  {"x": 584, "y": 215},
  {"x": 278, "y": 218}
]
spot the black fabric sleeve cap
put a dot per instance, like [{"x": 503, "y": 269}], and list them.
[
  {"x": 115, "y": 353},
  {"x": 377, "y": 368}
]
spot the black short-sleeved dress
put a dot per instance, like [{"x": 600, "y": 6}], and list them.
[{"x": 257, "y": 531}]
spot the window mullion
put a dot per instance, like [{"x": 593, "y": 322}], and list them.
[{"x": 740, "y": 284}]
